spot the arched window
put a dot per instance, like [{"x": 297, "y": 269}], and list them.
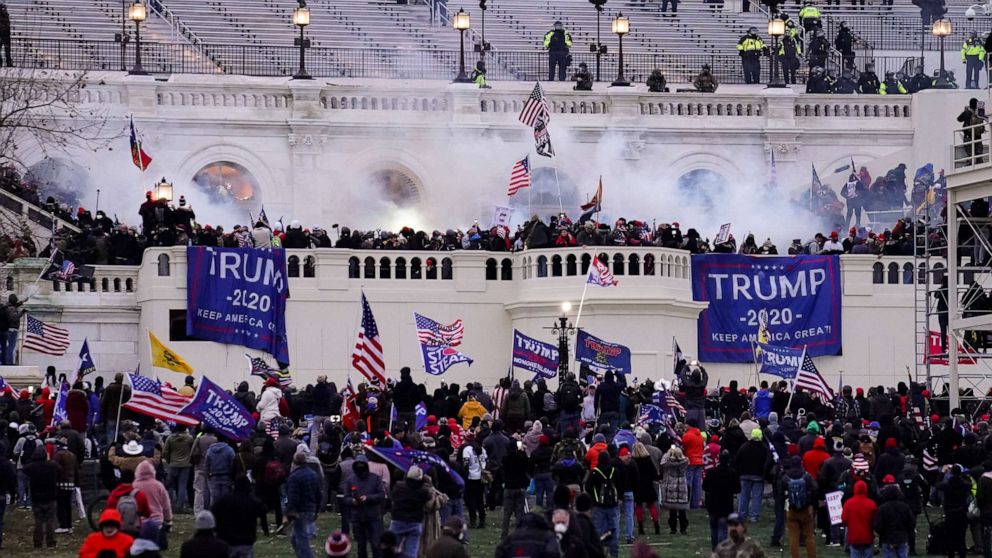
[
  {"x": 618, "y": 264},
  {"x": 384, "y": 269},
  {"x": 369, "y": 268},
  {"x": 907, "y": 274},
  {"x": 128, "y": 285},
  {"x": 586, "y": 262},
  {"x": 9, "y": 282},
  {"x": 506, "y": 270},
  {"x": 649, "y": 264},
  {"x": 603, "y": 259},
  {"x": 104, "y": 285},
  {"x": 401, "y": 268},
  {"x": 58, "y": 287},
  {"x": 571, "y": 265},
  {"x": 542, "y": 266},
  {"x": 227, "y": 182},
  {"x": 353, "y": 268},
  {"x": 556, "y": 266},
  {"x": 878, "y": 273},
  {"x": 163, "y": 265},
  {"x": 703, "y": 186},
  {"x": 446, "y": 269},
  {"x": 491, "y": 269},
  {"x": 893, "y": 274},
  {"x": 633, "y": 265},
  {"x": 293, "y": 266},
  {"x": 431, "y": 265},
  {"x": 117, "y": 285},
  {"x": 310, "y": 267},
  {"x": 396, "y": 186},
  {"x": 415, "y": 271}
]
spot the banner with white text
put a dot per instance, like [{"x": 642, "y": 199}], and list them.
[{"x": 798, "y": 297}]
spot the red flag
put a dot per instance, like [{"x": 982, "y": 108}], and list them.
[{"x": 138, "y": 155}]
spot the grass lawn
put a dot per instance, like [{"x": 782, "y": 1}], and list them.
[{"x": 18, "y": 530}]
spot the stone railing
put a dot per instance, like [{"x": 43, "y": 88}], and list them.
[{"x": 853, "y": 106}]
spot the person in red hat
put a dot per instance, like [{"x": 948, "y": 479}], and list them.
[
  {"x": 832, "y": 245},
  {"x": 891, "y": 462},
  {"x": 337, "y": 544}
]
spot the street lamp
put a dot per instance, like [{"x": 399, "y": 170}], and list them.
[
  {"x": 462, "y": 23},
  {"x": 599, "y": 48},
  {"x": 483, "y": 46},
  {"x": 776, "y": 28},
  {"x": 163, "y": 190},
  {"x": 137, "y": 13},
  {"x": 941, "y": 29},
  {"x": 563, "y": 329},
  {"x": 301, "y": 18},
  {"x": 621, "y": 26}
]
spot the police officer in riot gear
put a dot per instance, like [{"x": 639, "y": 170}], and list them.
[{"x": 557, "y": 41}]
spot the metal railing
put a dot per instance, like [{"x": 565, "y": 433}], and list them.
[
  {"x": 971, "y": 145},
  {"x": 281, "y": 61},
  {"x": 905, "y": 33}
]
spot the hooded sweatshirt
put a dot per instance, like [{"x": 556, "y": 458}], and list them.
[
  {"x": 97, "y": 541},
  {"x": 893, "y": 521},
  {"x": 815, "y": 457},
  {"x": 159, "y": 505},
  {"x": 858, "y": 515}
]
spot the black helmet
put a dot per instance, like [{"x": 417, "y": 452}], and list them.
[{"x": 752, "y": 30}]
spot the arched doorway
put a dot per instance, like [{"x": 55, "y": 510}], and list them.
[
  {"x": 542, "y": 196},
  {"x": 702, "y": 185},
  {"x": 396, "y": 187},
  {"x": 228, "y": 182}
]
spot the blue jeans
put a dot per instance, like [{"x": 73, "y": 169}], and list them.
[
  {"x": 23, "y": 490},
  {"x": 219, "y": 487},
  {"x": 607, "y": 520},
  {"x": 749, "y": 503},
  {"x": 610, "y": 418},
  {"x": 694, "y": 478},
  {"x": 779, "y": 528},
  {"x": 454, "y": 507},
  {"x": 242, "y": 551},
  {"x": 861, "y": 550},
  {"x": 367, "y": 533},
  {"x": 895, "y": 550},
  {"x": 409, "y": 533},
  {"x": 718, "y": 530},
  {"x": 628, "y": 515},
  {"x": 178, "y": 484},
  {"x": 9, "y": 340},
  {"x": 304, "y": 530},
  {"x": 544, "y": 488}
]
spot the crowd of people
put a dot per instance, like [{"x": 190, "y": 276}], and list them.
[{"x": 574, "y": 472}]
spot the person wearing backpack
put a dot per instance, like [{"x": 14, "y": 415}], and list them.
[
  {"x": 220, "y": 469},
  {"x": 602, "y": 485},
  {"x": 23, "y": 450},
  {"x": 131, "y": 504},
  {"x": 570, "y": 399},
  {"x": 800, "y": 494}
]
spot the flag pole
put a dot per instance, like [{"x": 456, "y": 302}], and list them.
[
  {"x": 757, "y": 370},
  {"x": 558, "y": 186},
  {"x": 793, "y": 392},
  {"x": 578, "y": 318}
]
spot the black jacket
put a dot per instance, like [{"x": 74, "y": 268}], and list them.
[
  {"x": 956, "y": 490},
  {"x": 406, "y": 395},
  {"x": 409, "y": 498},
  {"x": 516, "y": 469},
  {"x": 720, "y": 486},
  {"x": 894, "y": 521},
  {"x": 533, "y": 538},
  {"x": 43, "y": 475},
  {"x": 321, "y": 395},
  {"x": 238, "y": 515},
  {"x": 753, "y": 458},
  {"x": 204, "y": 545}
]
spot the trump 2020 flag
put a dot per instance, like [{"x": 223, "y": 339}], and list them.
[
  {"x": 599, "y": 274},
  {"x": 783, "y": 362},
  {"x": 59, "y": 414},
  {"x": 86, "y": 365},
  {"x": 438, "y": 359},
  {"x": 535, "y": 356},
  {"x": 421, "y": 412},
  {"x": 403, "y": 459},
  {"x": 214, "y": 407},
  {"x": 650, "y": 413}
]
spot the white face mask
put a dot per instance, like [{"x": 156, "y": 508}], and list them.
[{"x": 560, "y": 528}]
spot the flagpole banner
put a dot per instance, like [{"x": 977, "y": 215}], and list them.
[
  {"x": 439, "y": 358},
  {"x": 534, "y": 356},
  {"x": 602, "y": 355},
  {"x": 214, "y": 407},
  {"x": 237, "y": 296},
  {"x": 798, "y": 296},
  {"x": 783, "y": 362}
]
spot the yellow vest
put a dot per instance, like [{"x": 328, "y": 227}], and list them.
[{"x": 748, "y": 44}]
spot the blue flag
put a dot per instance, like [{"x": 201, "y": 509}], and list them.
[
  {"x": 624, "y": 437},
  {"x": 534, "y": 356},
  {"x": 60, "y": 414},
  {"x": 237, "y": 296},
  {"x": 214, "y": 407},
  {"x": 602, "y": 355},
  {"x": 650, "y": 413},
  {"x": 86, "y": 365},
  {"x": 778, "y": 361},
  {"x": 438, "y": 359},
  {"x": 421, "y": 411},
  {"x": 403, "y": 459},
  {"x": 3, "y": 384},
  {"x": 392, "y": 415}
]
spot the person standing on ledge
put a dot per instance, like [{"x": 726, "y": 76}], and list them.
[
  {"x": 557, "y": 41},
  {"x": 750, "y": 48}
]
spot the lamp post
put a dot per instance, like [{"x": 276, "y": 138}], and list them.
[
  {"x": 483, "y": 46},
  {"x": 163, "y": 190},
  {"x": 137, "y": 13},
  {"x": 776, "y": 28},
  {"x": 301, "y": 18},
  {"x": 621, "y": 26},
  {"x": 563, "y": 329},
  {"x": 461, "y": 23},
  {"x": 599, "y": 48},
  {"x": 941, "y": 29}
]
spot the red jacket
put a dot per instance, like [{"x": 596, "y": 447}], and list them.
[
  {"x": 858, "y": 514},
  {"x": 592, "y": 456},
  {"x": 692, "y": 444},
  {"x": 119, "y": 543},
  {"x": 815, "y": 457}
]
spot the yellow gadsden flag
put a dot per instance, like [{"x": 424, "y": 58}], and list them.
[{"x": 164, "y": 357}]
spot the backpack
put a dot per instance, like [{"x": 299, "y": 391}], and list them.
[
  {"x": 608, "y": 498},
  {"x": 27, "y": 450},
  {"x": 550, "y": 405},
  {"x": 127, "y": 506},
  {"x": 571, "y": 397},
  {"x": 274, "y": 473},
  {"x": 797, "y": 495}
]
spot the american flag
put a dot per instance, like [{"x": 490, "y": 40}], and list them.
[
  {"x": 535, "y": 107},
  {"x": 599, "y": 274},
  {"x": 668, "y": 402},
  {"x": 519, "y": 176},
  {"x": 68, "y": 268},
  {"x": 809, "y": 378},
  {"x": 45, "y": 338},
  {"x": 432, "y": 333},
  {"x": 150, "y": 397},
  {"x": 367, "y": 357},
  {"x": 3, "y": 384},
  {"x": 258, "y": 367}
]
